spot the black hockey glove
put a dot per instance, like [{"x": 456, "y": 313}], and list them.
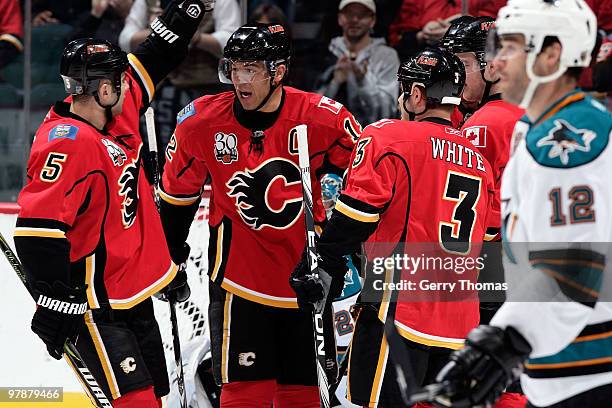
[
  {"x": 59, "y": 315},
  {"x": 310, "y": 289},
  {"x": 178, "y": 289},
  {"x": 179, "y": 21},
  {"x": 491, "y": 359}
]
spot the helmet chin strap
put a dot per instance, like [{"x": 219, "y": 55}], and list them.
[
  {"x": 411, "y": 115},
  {"x": 269, "y": 95},
  {"x": 535, "y": 80},
  {"x": 108, "y": 109},
  {"x": 488, "y": 86}
]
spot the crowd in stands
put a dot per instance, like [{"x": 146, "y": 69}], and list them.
[{"x": 348, "y": 50}]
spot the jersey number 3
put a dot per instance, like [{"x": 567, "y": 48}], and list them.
[
  {"x": 53, "y": 167},
  {"x": 455, "y": 236}
]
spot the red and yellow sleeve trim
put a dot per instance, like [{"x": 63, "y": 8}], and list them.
[
  {"x": 13, "y": 40},
  {"x": 356, "y": 214},
  {"x": 39, "y": 232},
  {"x": 183, "y": 201},
  {"x": 143, "y": 75}
]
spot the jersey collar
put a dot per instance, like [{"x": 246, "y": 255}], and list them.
[
  {"x": 63, "y": 109},
  {"x": 439, "y": 121},
  {"x": 573, "y": 96}
]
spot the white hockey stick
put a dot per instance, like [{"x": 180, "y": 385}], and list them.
[
  {"x": 317, "y": 313},
  {"x": 176, "y": 343}
]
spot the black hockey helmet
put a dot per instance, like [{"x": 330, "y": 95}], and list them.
[
  {"x": 440, "y": 72},
  {"x": 256, "y": 42},
  {"x": 469, "y": 34},
  {"x": 87, "y": 61}
]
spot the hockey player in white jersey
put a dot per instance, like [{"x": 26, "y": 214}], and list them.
[{"x": 556, "y": 223}]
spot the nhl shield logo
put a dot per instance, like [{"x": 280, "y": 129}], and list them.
[
  {"x": 477, "y": 135},
  {"x": 225, "y": 148}
]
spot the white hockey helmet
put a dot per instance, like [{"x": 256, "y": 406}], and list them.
[{"x": 571, "y": 21}]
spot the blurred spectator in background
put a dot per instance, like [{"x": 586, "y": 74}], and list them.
[
  {"x": 488, "y": 8},
  {"x": 269, "y": 13},
  {"x": 11, "y": 31},
  {"x": 200, "y": 67},
  {"x": 198, "y": 74},
  {"x": 420, "y": 23},
  {"x": 58, "y": 11},
  {"x": 602, "y": 71},
  {"x": 361, "y": 71},
  {"x": 102, "y": 19},
  {"x": 105, "y": 21}
]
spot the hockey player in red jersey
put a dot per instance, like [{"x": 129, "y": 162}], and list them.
[
  {"x": 408, "y": 183},
  {"x": 490, "y": 120},
  {"x": 88, "y": 232},
  {"x": 488, "y": 124},
  {"x": 245, "y": 144}
]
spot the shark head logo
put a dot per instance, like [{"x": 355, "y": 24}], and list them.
[
  {"x": 128, "y": 189},
  {"x": 257, "y": 206},
  {"x": 564, "y": 139}
]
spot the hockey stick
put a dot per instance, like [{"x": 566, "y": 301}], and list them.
[
  {"x": 400, "y": 360},
  {"x": 70, "y": 352},
  {"x": 176, "y": 343},
  {"x": 316, "y": 273}
]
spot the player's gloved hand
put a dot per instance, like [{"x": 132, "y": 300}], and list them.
[
  {"x": 491, "y": 359},
  {"x": 310, "y": 289},
  {"x": 59, "y": 314},
  {"x": 180, "y": 18},
  {"x": 178, "y": 289}
]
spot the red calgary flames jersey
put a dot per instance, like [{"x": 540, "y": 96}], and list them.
[
  {"x": 423, "y": 183},
  {"x": 256, "y": 219},
  {"x": 490, "y": 130},
  {"x": 88, "y": 186}
]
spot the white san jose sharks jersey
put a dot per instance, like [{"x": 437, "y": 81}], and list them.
[{"x": 557, "y": 228}]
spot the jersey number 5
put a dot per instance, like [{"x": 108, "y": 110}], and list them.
[
  {"x": 53, "y": 167},
  {"x": 455, "y": 236}
]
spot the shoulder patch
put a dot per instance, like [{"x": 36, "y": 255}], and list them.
[
  {"x": 186, "y": 112},
  {"x": 560, "y": 143},
  {"x": 477, "y": 135},
  {"x": 331, "y": 105},
  {"x": 63, "y": 132}
]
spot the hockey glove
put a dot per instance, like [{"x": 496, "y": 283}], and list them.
[
  {"x": 59, "y": 315},
  {"x": 178, "y": 289},
  {"x": 478, "y": 373},
  {"x": 310, "y": 289},
  {"x": 179, "y": 21}
]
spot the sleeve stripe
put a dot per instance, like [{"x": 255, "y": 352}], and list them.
[
  {"x": 355, "y": 214},
  {"x": 489, "y": 237},
  {"x": 570, "y": 254},
  {"x": 13, "y": 40},
  {"x": 38, "y": 232},
  {"x": 569, "y": 262},
  {"x": 143, "y": 75},
  {"x": 183, "y": 201},
  {"x": 557, "y": 276}
]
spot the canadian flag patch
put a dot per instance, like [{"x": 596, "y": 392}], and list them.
[{"x": 477, "y": 135}]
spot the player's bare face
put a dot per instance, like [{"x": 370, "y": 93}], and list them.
[
  {"x": 251, "y": 80},
  {"x": 510, "y": 63},
  {"x": 356, "y": 20},
  {"x": 474, "y": 84}
]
